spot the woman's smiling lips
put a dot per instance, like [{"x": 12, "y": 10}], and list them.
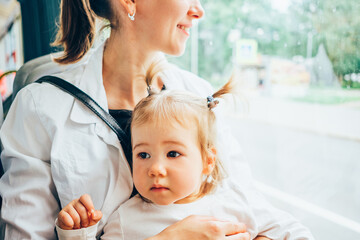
[{"x": 185, "y": 28}]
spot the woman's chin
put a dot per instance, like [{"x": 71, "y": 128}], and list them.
[
  {"x": 177, "y": 52},
  {"x": 180, "y": 53}
]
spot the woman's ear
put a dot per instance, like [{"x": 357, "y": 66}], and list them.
[
  {"x": 210, "y": 160},
  {"x": 129, "y": 6}
]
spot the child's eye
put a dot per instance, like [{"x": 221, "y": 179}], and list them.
[
  {"x": 173, "y": 154},
  {"x": 144, "y": 155}
]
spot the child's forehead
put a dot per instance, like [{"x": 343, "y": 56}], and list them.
[
  {"x": 169, "y": 122},
  {"x": 165, "y": 133},
  {"x": 178, "y": 121}
]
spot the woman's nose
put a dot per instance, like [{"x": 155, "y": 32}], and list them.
[
  {"x": 157, "y": 169},
  {"x": 196, "y": 10}
]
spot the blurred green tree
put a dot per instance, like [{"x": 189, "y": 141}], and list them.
[
  {"x": 279, "y": 33},
  {"x": 336, "y": 24}
]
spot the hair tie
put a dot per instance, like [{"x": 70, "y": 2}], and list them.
[
  {"x": 211, "y": 102},
  {"x": 150, "y": 90}
]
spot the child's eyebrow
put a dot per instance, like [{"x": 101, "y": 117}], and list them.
[
  {"x": 164, "y": 142},
  {"x": 174, "y": 142},
  {"x": 139, "y": 145}
]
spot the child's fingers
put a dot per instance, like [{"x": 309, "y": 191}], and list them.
[
  {"x": 65, "y": 221},
  {"x": 79, "y": 213},
  {"x": 83, "y": 213},
  {"x": 95, "y": 217},
  {"x": 87, "y": 202},
  {"x": 75, "y": 217}
]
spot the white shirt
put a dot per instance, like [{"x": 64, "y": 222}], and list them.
[
  {"x": 56, "y": 149},
  {"x": 138, "y": 220}
]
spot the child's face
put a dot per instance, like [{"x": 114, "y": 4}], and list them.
[{"x": 167, "y": 160}]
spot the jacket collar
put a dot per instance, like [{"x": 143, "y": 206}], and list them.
[{"x": 91, "y": 82}]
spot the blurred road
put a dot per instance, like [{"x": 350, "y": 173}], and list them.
[{"x": 306, "y": 158}]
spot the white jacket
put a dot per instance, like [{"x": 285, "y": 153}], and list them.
[{"x": 56, "y": 149}]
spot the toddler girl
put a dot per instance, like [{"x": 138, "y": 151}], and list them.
[{"x": 177, "y": 174}]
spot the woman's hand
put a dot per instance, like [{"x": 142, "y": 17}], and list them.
[
  {"x": 262, "y": 238},
  {"x": 204, "y": 228},
  {"x": 79, "y": 213}
]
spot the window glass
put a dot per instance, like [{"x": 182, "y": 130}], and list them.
[{"x": 299, "y": 64}]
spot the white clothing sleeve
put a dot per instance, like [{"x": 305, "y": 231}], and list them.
[
  {"x": 30, "y": 202},
  {"x": 231, "y": 155},
  {"x": 113, "y": 229},
  {"x": 272, "y": 222},
  {"x": 88, "y": 233}
]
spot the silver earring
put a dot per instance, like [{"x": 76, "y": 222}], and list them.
[{"x": 132, "y": 17}]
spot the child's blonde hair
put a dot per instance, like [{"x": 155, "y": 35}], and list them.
[{"x": 185, "y": 109}]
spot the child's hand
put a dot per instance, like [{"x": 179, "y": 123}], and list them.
[{"x": 79, "y": 213}]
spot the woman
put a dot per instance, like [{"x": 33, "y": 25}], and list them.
[{"x": 55, "y": 149}]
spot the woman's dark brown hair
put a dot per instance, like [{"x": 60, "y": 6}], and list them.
[{"x": 77, "y": 30}]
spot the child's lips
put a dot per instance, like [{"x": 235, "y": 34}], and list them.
[{"x": 158, "y": 188}]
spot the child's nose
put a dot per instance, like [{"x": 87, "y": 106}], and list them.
[{"x": 157, "y": 169}]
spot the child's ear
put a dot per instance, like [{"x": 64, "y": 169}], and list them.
[{"x": 210, "y": 161}]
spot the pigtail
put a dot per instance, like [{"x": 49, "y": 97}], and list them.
[
  {"x": 229, "y": 87},
  {"x": 77, "y": 30},
  {"x": 152, "y": 72},
  {"x": 218, "y": 173}
]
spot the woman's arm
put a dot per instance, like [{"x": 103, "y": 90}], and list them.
[
  {"x": 272, "y": 222},
  {"x": 262, "y": 238},
  {"x": 29, "y": 196},
  {"x": 203, "y": 228}
]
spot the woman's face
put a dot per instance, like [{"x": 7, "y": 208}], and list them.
[{"x": 164, "y": 25}]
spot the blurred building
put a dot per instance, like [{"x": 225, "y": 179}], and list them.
[
  {"x": 11, "y": 54},
  {"x": 27, "y": 28}
]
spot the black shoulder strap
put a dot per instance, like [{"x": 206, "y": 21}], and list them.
[{"x": 93, "y": 106}]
